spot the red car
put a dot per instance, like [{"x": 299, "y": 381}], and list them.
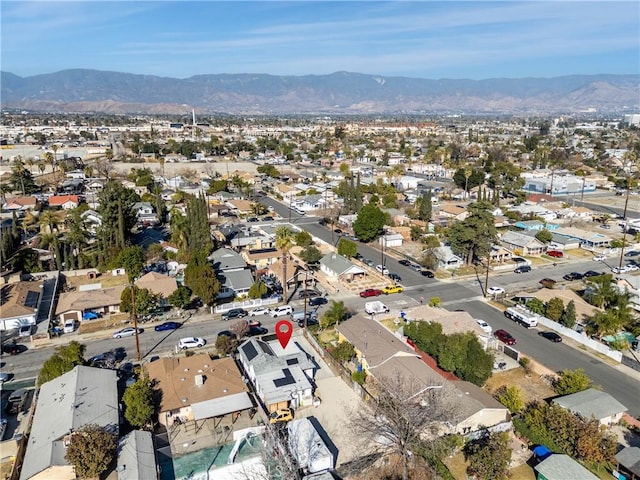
[
  {"x": 555, "y": 253},
  {"x": 504, "y": 337},
  {"x": 370, "y": 292}
]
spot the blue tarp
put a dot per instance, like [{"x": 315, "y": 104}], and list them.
[
  {"x": 89, "y": 316},
  {"x": 541, "y": 452}
]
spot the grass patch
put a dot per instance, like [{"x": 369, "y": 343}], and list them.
[
  {"x": 532, "y": 388},
  {"x": 457, "y": 466},
  {"x": 327, "y": 336},
  {"x": 523, "y": 472}
]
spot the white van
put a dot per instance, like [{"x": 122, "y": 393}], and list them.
[
  {"x": 69, "y": 326},
  {"x": 280, "y": 311}
]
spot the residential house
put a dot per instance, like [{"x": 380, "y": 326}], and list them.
[
  {"x": 19, "y": 304},
  {"x": 158, "y": 284},
  {"x": 197, "y": 387},
  {"x": 308, "y": 447},
  {"x": 592, "y": 403},
  {"x": 630, "y": 284},
  {"x": 251, "y": 240},
  {"x": 145, "y": 213},
  {"x": 562, "y": 467},
  {"x": 447, "y": 259},
  {"x": 522, "y": 244},
  {"x": 136, "y": 456},
  {"x": 534, "y": 211},
  {"x": 475, "y": 410},
  {"x": 335, "y": 266},
  {"x": 240, "y": 207},
  {"x": 65, "y": 405},
  {"x": 92, "y": 220},
  {"x": 628, "y": 460},
  {"x": 86, "y": 304},
  {"x": 234, "y": 277},
  {"x": 311, "y": 202},
  {"x": 177, "y": 183},
  {"x": 281, "y": 377},
  {"x": 499, "y": 255},
  {"x": 588, "y": 240},
  {"x": 390, "y": 240},
  {"x": 225, "y": 259},
  {"x": 20, "y": 204},
  {"x": 454, "y": 212},
  {"x": 261, "y": 258},
  {"x": 66, "y": 202},
  {"x": 529, "y": 225},
  {"x": 583, "y": 309}
]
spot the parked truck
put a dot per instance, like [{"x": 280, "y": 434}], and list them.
[
  {"x": 522, "y": 315},
  {"x": 372, "y": 308}
]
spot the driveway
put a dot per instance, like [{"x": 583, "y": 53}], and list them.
[{"x": 338, "y": 400}]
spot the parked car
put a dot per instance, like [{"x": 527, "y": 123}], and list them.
[
  {"x": 13, "y": 348},
  {"x": 632, "y": 253},
  {"x": 555, "y": 253},
  {"x": 395, "y": 277},
  {"x": 4, "y": 377},
  {"x": 368, "y": 262},
  {"x": 484, "y": 325},
  {"x": 389, "y": 289},
  {"x": 573, "y": 276},
  {"x": 308, "y": 293},
  {"x": 599, "y": 258},
  {"x": 69, "y": 326},
  {"x": 337, "y": 230},
  {"x": 632, "y": 267},
  {"x": 623, "y": 269},
  {"x": 227, "y": 333},
  {"x": 404, "y": 262},
  {"x": 282, "y": 310},
  {"x": 126, "y": 332},
  {"x": 234, "y": 313},
  {"x": 505, "y": 337},
  {"x": 191, "y": 342},
  {"x": 427, "y": 273},
  {"x": 259, "y": 311},
  {"x": 591, "y": 273},
  {"x": 382, "y": 269},
  {"x": 415, "y": 267},
  {"x": 370, "y": 292},
  {"x": 254, "y": 331},
  {"x": 523, "y": 269},
  {"x": 281, "y": 415},
  {"x": 493, "y": 291},
  {"x": 317, "y": 301},
  {"x": 167, "y": 326},
  {"x": 553, "y": 336}
]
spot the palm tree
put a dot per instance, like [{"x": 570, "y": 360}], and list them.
[
  {"x": 603, "y": 293},
  {"x": 77, "y": 234},
  {"x": 29, "y": 222},
  {"x": 49, "y": 220},
  {"x": 285, "y": 239},
  {"x": 51, "y": 160}
]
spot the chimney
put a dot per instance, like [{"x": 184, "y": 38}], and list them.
[{"x": 199, "y": 380}]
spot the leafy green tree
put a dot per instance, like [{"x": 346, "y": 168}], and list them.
[
  {"x": 568, "y": 318},
  {"x": 21, "y": 179},
  {"x": 472, "y": 237},
  {"x": 91, "y": 451},
  {"x": 468, "y": 179},
  {"x": 115, "y": 206},
  {"x": 416, "y": 232},
  {"x": 145, "y": 301},
  {"x": 226, "y": 345},
  {"x": 202, "y": 281},
  {"x": 269, "y": 170},
  {"x": 285, "y": 239},
  {"x": 571, "y": 381},
  {"x": 344, "y": 352},
  {"x": 536, "y": 306},
  {"x": 63, "y": 360},
  {"x": 347, "y": 248},
  {"x": 510, "y": 397},
  {"x": 303, "y": 238},
  {"x": 334, "y": 314},
  {"x": 258, "y": 289},
  {"x": 554, "y": 309},
  {"x": 369, "y": 223},
  {"x": 216, "y": 186},
  {"x": 489, "y": 456},
  {"x": 425, "y": 207},
  {"x": 139, "y": 403},
  {"x": 132, "y": 259},
  {"x": 180, "y": 297},
  {"x": 544, "y": 236},
  {"x": 310, "y": 254}
]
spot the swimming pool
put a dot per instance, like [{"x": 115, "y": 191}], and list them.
[{"x": 195, "y": 465}]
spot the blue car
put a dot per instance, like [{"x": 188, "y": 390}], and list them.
[{"x": 167, "y": 326}]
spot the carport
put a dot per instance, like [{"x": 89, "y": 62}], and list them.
[{"x": 217, "y": 408}]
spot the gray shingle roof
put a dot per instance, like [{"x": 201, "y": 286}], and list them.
[
  {"x": 563, "y": 467},
  {"x": 226, "y": 259},
  {"x": 66, "y": 404},
  {"x": 591, "y": 403},
  {"x": 136, "y": 456},
  {"x": 629, "y": 458},
  {"x": 338, "y": 264}
]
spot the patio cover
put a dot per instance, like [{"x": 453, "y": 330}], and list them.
[{"x": 221, "y": 406}]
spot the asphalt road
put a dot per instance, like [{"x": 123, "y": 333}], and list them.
[{"x": 467, "y": 294}]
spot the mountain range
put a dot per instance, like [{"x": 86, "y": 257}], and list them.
[{"x": 82, "y": 90}]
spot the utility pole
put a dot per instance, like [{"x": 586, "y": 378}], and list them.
[
  {"x": 382, "y": 242},
  {"x": 134, "y": 318},
  {"x": 486, "y": 275},
  {"x": 306, "y": 276},
  {"x": 624, "y": 233}
]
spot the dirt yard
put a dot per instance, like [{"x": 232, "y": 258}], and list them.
[{"x": 532, "y": 388}]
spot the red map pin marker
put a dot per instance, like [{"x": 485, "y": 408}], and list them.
[{"x": 284, "y": 329}]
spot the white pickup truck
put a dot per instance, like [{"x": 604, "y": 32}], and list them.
[{"x": 375, "y": 307}]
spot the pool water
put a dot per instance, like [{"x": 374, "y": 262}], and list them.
[{"x": 194, "y": 465}]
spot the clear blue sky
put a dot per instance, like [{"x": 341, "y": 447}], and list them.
[{"x": 416, "y": 39}]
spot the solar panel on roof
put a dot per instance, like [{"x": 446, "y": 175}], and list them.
[
  {"x": 286, "y": 380},
  {"x": 32, "y": 299},
  {"x": 292, "y": 361},
  {"x": 250, "y": 351}
]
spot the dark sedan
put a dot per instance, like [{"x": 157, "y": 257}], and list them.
[
  {"x": 591, "y": 273},
  {"x": 13, "y": 348},
  {"x": 317, "y": 301},
  {"x": 406, "y": 263},
  {"x": 167, "y": 326},
  {"x": 573, "y": 276},
  {"x": 426, "y": 273},
  {"x": 254, "y": 331},
  {"x": 553, "y": 336}
]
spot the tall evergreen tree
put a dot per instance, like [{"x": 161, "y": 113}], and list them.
[{"x": 425, "y": 207}]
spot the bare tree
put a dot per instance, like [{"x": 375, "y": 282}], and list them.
[{"x": 404, "y": 415}]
